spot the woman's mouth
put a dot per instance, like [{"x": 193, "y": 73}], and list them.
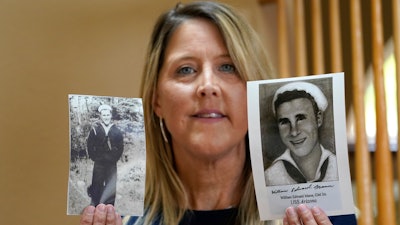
[{"x": 209, "y": 115}]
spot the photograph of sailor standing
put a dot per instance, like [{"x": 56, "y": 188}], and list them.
[{"x": 105, "y": 145}]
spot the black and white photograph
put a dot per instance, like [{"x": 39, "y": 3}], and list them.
[
  {"x": 296, "y": 118},
  {"x": 298, "y": 144},
  {"x": 107, "y": 153}
]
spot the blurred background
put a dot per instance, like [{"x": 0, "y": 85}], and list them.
[{"x": 49, "y": 49}]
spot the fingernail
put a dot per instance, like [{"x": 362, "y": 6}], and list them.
[
  {"x": 101, "y": 207},
  {"x": 302, "y": 207},
  {"x": 110, "y": 210},
  {"x": 291, "y": 211},
  {"x": 90, "y": 210},
  {"x": 316, "y": 210}
]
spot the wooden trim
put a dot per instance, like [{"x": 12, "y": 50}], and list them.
[
  {"x": 283, "y": 40},
  {"x": 300, "y": 39},
  {"x": 362, "y": 155},
  {"x": 335, "y": 34},
  {"x": 384, "y": 173},
  {"x": 317, "y": 38}
]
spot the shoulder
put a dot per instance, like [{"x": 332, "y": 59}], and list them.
[
  {"x": 277, "y": 175},
  {"x": 115, "y": 129},
  {"x": 95, "y": 128},
  {"x": 349, "y": 219},
  {"x": 327, "y": 152},
  {"x": 139, "y": 220},
  {"x": 277, "y": 165},
  {"x": 129, "y": 220}
]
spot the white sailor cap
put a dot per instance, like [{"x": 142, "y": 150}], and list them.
[
  {"x": 310, "y": 88},
  {"x": 104, "y": 107}
]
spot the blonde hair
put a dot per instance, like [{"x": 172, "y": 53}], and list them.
[{"x": 166, "y": 200}]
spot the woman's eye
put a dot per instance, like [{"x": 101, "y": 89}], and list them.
[
  {"x": 228, "y": 68},
  {"x": 186, "y": 70}
]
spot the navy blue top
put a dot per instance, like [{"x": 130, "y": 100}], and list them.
[{"x": 228, "y": 216}]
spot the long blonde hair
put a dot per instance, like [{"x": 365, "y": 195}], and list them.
[{"x": 166, "y": 199}]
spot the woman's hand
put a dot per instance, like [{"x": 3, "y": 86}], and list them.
[
  {"x": 101, "y": 215},
  {"x": 306, "y": 216}
]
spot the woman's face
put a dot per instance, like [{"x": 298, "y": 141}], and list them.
[{"x": 199, "y": 95}]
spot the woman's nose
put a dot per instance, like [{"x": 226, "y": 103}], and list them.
[{"x": 208, "y": 85}]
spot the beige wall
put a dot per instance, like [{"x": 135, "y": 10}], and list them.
[{"x": 49, "y": 49}]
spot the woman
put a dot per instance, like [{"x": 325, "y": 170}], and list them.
[{"x": 194, "y": 95}]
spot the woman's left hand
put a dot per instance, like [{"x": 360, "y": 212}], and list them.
[
  {"x": 306, "y": 216},
  {"x": 100, "y": 215}
]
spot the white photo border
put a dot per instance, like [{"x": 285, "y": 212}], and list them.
[
  {"x": 131, "y": 172},
  {"x": 334, "y": 197}
]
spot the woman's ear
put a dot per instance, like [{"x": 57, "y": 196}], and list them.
[{"x": 156, "y": 104}]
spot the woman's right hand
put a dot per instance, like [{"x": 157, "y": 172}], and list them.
[
  {"x": 100, "y": 215},
  {"x": 306, "y": 216}
]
